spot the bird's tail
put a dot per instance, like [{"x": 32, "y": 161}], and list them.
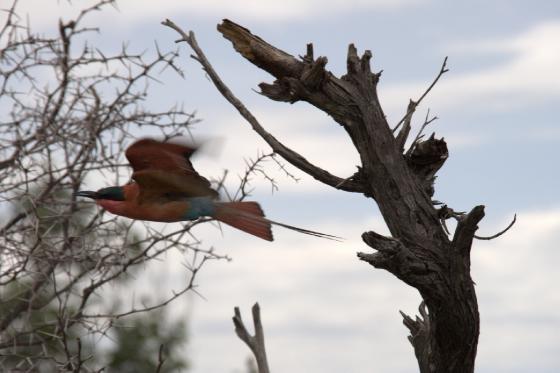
[
  {"x": 249, "y": 217},
  {"x": 246, "y": 216}
]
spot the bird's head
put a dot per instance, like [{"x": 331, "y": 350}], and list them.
[
  {"x": 111, "y": 199},
  {"x": 114, "y": 193}
]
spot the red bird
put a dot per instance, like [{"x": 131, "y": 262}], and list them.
[{"x": 166, "y": 188}]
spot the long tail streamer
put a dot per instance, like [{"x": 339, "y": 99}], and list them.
[{"x": 249, "y": 217}]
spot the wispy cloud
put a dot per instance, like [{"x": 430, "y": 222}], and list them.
[
  {"x": 263, "y": 10},
  {"x": 527, "y": 76},
  {"x": 45, "y": 12},
  {"x": 519, "y": 307}
]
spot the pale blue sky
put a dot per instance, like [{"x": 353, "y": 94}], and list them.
[{"x": 323, "y": 310}]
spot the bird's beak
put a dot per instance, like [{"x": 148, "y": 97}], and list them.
[{"x": 87, "y": 193}]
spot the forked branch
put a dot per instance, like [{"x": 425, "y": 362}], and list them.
[{"x": 256, "y": 342}]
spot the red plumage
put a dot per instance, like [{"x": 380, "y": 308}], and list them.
[{"x": 246, "y": 216}]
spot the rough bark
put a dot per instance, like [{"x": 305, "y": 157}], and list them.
[{"x": 419, "y": 252}]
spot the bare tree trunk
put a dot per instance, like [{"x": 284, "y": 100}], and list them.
[{"x": 420, "y": 252}]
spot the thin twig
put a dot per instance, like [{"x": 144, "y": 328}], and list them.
[
  {"x": 419, "y": 135},
  {"x": 499, "y": 233},
  {"x": 161, "y": 359},
  {"x": 412, "y": 108}
]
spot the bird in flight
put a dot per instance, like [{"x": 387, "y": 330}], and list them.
[{"x": 166, "y": 188}]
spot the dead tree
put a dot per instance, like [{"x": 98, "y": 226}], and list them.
[{"x": 420, "y": 250}]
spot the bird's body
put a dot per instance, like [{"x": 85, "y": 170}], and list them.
[{"x": 166, "y": 188}]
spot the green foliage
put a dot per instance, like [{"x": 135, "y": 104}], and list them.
[{"x": 138, "y": 342}]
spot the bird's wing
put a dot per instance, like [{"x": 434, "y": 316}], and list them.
[
  {"x": 172, "y": 160},
  {"x": 152, "y": 154},
  {"x": 158, "y": 185}
]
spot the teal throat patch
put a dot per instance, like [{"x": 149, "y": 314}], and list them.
[
  {"x": 199, "y": 207},
  {"x": 114, "y": 193}
]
